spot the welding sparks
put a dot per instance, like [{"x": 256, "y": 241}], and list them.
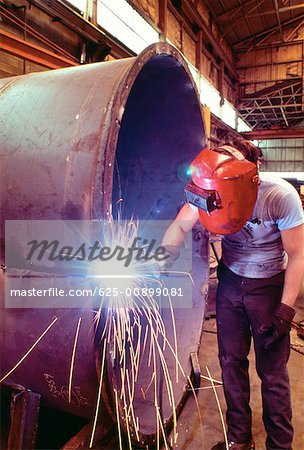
[
  {"x": 132, "y": 325},
  {"x": 132, "y": 334},
  {"x": 30, "y": 350},
  {"x": 73, "y": 359},
  {"x": 219, "y": 408},
  {"x": 99, "y": 394}
]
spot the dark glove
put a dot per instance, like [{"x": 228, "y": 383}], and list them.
[{"x": 278, "y": 328}]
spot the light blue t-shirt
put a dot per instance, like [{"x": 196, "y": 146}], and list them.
[{"x": 256, "y": 251}]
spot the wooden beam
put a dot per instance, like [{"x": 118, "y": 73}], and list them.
[
  {"x": 71, "y": 19},
  {"x": 233, "y": 11},
  {"x": 275, "y": 63},
  {"x": 280, "y": 10},
  {"x": 245, "y": 115},
  {"x": 30, "y": 31},
  {"x": 162, "y": 20},
  {"x": 277, "y": 133},
  {"x": 278, "y": 17},
  {"x": 247, "y": 83},
  {"x": 94, "y": 12},
  {"x": 300, "y": 25},
  {"x": 182, "y": 20},
  {"x": 274, "y": 44},
  {"x": 23, "y": 49},
  {"x": 269, "y": 31},
  {"x": 248, "y": 103},
  {"x": 221, "y": 82},
  {"x": 198, "y": 50},
  {"x": 283, "y": 105}
]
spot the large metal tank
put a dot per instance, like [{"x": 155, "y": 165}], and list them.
[{"x": 75, "y": 143}]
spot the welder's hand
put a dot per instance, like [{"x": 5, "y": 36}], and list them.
[
  {"x": 278, "y": 328},
  {"x": 155, "y": 268},
  {"x": 172, "y": 253}
]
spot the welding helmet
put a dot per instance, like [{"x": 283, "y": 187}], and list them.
[{"x": 224, "y": 187}]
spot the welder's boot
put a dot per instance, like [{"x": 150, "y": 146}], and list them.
[{"x": 234, "y": 446}]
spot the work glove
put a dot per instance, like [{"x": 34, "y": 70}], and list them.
[{"x": 278, "y": 328}]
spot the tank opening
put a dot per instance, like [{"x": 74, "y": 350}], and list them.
[{"x": 161, "y": 132}]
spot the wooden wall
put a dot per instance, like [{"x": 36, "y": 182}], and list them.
[
  {"x": 187, "y": 24},
  {"x": 18, "y": 12},
  {"x": 271, "y": 61},
  {"x": 260, "y": 68}
]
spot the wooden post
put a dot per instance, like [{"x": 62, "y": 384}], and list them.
[
  {"x": 198, "y": 50},
  {"x": 162, "y": 21}
]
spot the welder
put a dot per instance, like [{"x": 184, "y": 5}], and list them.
[{"x": 260, "y": 275}]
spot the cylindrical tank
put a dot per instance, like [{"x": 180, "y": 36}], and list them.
[{"x": 76, "y": 142}]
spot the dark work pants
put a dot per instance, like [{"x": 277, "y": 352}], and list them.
[{"x": 243, "y": 305}]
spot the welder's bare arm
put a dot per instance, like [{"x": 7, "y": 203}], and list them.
[
  {"x": 293, "y": 242},
  {"x": 183, "y": 223}
]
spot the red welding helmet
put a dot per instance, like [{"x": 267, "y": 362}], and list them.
[{"x": 224, "y": 187}]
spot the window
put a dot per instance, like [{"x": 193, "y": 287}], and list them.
[
  {"x": 242, "y": 125},
  {"x": 80, "y": 4},
  {"x": 123, "y": 22},
  {"x": 209, "y": 96},
  {"x": 195, "y": 74},
  {"x": 229, "y": 114},
  {"x": 129, "y": 27}
]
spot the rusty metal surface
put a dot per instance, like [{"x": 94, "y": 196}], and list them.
[
  {"x": 53, "y": 138},
  {"x": 65, "y": 136}
]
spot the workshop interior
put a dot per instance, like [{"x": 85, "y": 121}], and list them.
[{"x": 104, "y": 105}]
